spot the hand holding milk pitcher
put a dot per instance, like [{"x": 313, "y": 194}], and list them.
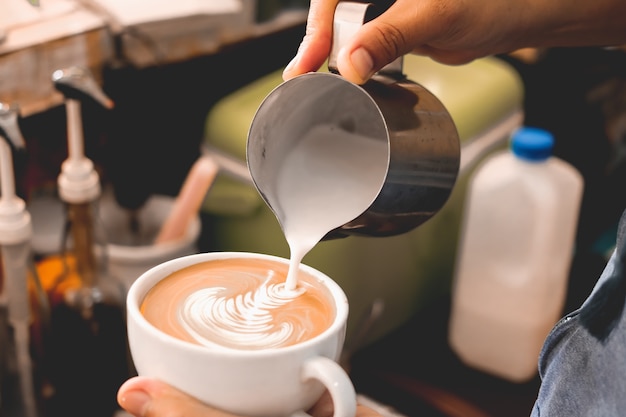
[{"x": 377, "y": 159}]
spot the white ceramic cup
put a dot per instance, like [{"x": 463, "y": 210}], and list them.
[{"x": 276, "y": 382}]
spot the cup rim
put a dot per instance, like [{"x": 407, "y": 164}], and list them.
[
  {"x": 148, "y": 252},
  {"x": 147, "y": 280}
]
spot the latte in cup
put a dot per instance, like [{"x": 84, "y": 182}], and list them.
[
  {"x": 239, "y": 303},
  {"x": 222, "y": 327}
]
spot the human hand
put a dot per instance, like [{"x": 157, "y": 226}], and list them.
[
  {"x": 145, "y": 397},
  {"x": 456, "y": 32},
  {"x": 446, "y": 30}
]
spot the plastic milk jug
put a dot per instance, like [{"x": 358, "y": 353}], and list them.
[{"x": 514, "y": 255}]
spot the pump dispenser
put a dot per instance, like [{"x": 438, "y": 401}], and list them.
[
  {"x": 88, "y": 344},
  {"x": 26, "y": 321}
]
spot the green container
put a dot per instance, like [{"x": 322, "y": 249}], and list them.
[{"x": 387, "y": 280}]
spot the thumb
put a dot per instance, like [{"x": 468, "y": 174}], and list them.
[
  {"x": 146, "y": 397},
  {"x": 380, "y": 41}
]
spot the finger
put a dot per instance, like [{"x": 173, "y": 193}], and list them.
[
  {"x": 145, "y": 397},
  {"x": 404, "y": 27},
  {"x": 363, "y": 411},
  {"x": 315, "y": 46},
  {"x": 324, "y": 408}
]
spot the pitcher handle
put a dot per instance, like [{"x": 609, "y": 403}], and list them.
[{"x": 349, "y": 17}]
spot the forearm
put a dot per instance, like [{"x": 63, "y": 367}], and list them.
[
  {"x": 575, "y": 23},
  {"x": 456, "y": 32}
]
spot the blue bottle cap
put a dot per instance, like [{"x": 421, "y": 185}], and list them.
[{"x": 532, "y": 144}]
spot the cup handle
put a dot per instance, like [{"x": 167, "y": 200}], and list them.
[{"x": 336, "y": 381}]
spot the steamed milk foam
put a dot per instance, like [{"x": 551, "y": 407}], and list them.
[
  {"x": 327, "y": 179},
  {"x": 238, "y": 303}
]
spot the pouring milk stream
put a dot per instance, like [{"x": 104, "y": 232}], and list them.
[{"x": 322, "y": 185}]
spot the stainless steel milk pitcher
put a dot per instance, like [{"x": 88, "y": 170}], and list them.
[{"x": 418, "y": 164}]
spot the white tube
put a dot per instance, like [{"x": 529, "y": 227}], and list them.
[
  {"x": 25, "y": 368},
  {"x": 15, "y": 260},
  {"x": 76, "y": 147},
  {"x": 6, "y": 171}
]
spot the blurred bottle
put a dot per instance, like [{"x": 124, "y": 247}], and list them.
[
  {"x": 87, "y": 349},
  {"x": 514, "y": 254},
  {"x": 23, "y": 381},
  {"x": 24, "y": 311}
]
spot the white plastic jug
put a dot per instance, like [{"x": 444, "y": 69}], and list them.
[{"x": 514, "y": 256}]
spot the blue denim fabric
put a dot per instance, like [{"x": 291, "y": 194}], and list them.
[{"x": 583, "y": 361}]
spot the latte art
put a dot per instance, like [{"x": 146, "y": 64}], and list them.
[
  {"x": 242, "y": 305},
  {"x": 211, "y": 316}
]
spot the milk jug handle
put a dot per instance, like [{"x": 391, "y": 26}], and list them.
[{"x": 349, "y": 17}]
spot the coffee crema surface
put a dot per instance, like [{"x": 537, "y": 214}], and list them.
[{"x": 239, "y": 303}]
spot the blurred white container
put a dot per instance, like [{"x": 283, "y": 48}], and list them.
[
  {"x": 514, "y": 255},
  {"x": 131, "y": 253}
]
